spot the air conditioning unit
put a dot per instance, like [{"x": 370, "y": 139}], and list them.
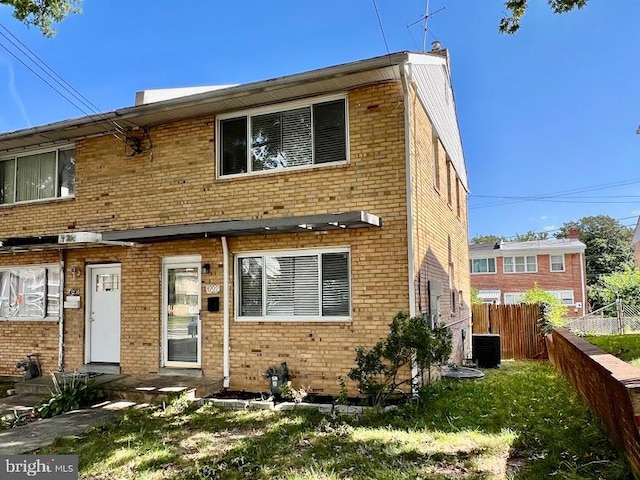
[{"x": 485, "y": 348}]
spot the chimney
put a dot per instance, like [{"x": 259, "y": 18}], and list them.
[{"x": 573, "y": 232}]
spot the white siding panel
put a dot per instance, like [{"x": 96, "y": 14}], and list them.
[{"x": 434, "y": 90}]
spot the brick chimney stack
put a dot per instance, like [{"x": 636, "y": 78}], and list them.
[{"x": 573, "y": 232}]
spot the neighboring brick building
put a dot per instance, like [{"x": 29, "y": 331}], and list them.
[
  {"x": 503, "y": 272},
  {"x": 227, "y": 231}
]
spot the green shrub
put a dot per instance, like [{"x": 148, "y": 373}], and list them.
[
  {"x": 382, "y": 370},
  {"x": 69, "y": 395}
]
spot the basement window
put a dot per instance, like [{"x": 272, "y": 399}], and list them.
[
  {"x": 303, "y": 285},
  {"x": 300, "y": 134},
  {"x": 30, "y": 293},
  {"x": 38, "y": 176}
]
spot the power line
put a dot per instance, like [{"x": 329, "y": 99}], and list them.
[
  {"x": 77, "y": 99},
  {"x": 384, "y": 38},
  {"x": 562, "y": 193}
]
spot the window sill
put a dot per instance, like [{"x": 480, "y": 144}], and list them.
[
  {"x": 37, "y": 202},
  {"x": 30, "y": 319},
  {"x": 518, "y": 273},
  {"x": 279, "y": 171},
  {"x": 294, "y": 320}
]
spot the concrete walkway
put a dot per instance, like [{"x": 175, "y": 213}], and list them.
[{"x": 38, "y": 434}]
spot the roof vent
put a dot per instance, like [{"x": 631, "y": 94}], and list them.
[{"x": 435, "y": 46}]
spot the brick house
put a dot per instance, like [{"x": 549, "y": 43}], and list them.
[
  {"x": 156, "y": 239},
  {"x": 502, "y": 272}
]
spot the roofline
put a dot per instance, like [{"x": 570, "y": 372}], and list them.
[{"x": 130, "y": 113}]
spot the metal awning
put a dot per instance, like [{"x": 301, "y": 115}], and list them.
[
  {"x": 63, "y": 241},
  {"x": 234, "y": 228},
  {"x": 489, "y": 296}
]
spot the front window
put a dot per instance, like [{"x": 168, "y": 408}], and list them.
[
  {"x": 305, "y": 285},
  {"x": 526, "y": 264},
  {"x": 564, "y": 296},
  {"x": 307, "y": 135},
  {"x": 483, "y": 265},
  {"x": 29, "y": 293},
  {"x": 38, "y": 176},
  {"x": 513, "y": 298},
  {"x": 557, "y": 263}
]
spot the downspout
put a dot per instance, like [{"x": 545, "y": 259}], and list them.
[
  {"x": 225, "y": 313},
  {"x": 404, "y": 67},
  {"x": 61, "y": 316},
  {"x": 584, "y": 298}
]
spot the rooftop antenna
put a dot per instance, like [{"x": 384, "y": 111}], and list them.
[{"x": 425, "y": 24}]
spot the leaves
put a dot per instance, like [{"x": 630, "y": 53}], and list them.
[
  {"x": 510, "y": 23},
  {"x": 43, "y": 13}
]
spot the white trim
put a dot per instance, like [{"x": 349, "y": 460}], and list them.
[
  {"x": 299, "y": 252},
  {"x": 36, "y": 151},
  {"x": 564, "y": 266},
  {"x": 88, "y": 290},
  {"x": 280, "y": 107},
  {"x": 514, "y": 264},
  {"x": 186, "y": 261},
  {"x": 488, "y": 272},
  {"x": 45, "y": 318}
]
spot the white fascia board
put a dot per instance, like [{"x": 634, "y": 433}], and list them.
[
  {"x": 424, "y": 59},
  {"x": 537, "y": 251}
]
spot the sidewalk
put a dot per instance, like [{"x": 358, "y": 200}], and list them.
[{"x": 32, "y": 436}]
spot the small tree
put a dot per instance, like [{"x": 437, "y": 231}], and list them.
[
  {"x": 385, "y": 368},
  {"x": 625, "y": 285},
  {"x": 475, "y": 298},
  {"x": 553, "y": 310}
]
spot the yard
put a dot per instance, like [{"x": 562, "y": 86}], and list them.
[
  {"x": 522, "y": 421},
  {"x": 625, "y": 347}
]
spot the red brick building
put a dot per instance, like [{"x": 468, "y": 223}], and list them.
[{"x": 502, "y": 272}]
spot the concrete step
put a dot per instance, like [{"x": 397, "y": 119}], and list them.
[{"x": 18, "y": 403}]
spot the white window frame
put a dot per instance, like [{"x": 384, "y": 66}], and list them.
[
  {"x": 44, "y": 318},
  {"x": 562, "y": 294},
  {"x": 519, "y": 294},
  {"x": 280, "y": 107},
  {"x": 513, "y": 264},
  {"x": 291, "y": 253},
  {"x": 488, "y": 272},
  {"x": 16, "y": 156},
  {"x": 551, "y": 262}
]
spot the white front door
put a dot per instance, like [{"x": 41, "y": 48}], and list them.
[
  {"x": 103, "y": 311},
  {"x": 181, "y": 312}
]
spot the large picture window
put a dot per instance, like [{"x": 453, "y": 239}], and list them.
[
  {"x": 50, "y": 174},
  {"x": 483, "y": 265},
  {"x": 301, "y": 285},
  {"x": 30, "y": 293},
  {"x": 303, "y": 135}
]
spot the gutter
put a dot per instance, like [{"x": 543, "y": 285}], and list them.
[
  {"x": 61, "y": 316},
  {"x": 404, "y": 74},
  {"x": 584, "y": 297},
  {"x": 225, "y": 314}
]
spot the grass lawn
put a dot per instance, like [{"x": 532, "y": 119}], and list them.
[
  {"x": 521, "y": 421},
  {"x": 625, "y": 347}
]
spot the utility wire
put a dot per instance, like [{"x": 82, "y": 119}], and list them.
[
  {"x": 77, "y": 99},
  {"x": 384, "y": 37},
  {"x": 562, "y": 193}
]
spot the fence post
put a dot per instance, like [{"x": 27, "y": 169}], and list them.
[{"x": 619, "y": 315}]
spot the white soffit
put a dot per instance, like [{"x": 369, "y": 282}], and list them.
[{"x": 430, "y": 76}]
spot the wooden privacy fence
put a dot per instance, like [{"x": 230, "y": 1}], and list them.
[{"x": 517, "y": 325}]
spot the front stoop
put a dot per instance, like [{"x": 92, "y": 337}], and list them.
[
  {"x": 161, "y": 388},
  {"x": 44, "y": 385}
]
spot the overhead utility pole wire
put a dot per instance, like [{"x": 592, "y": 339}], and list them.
[
  {"x": 48, "y": 71},
  {"x": 384, "y": 38}
]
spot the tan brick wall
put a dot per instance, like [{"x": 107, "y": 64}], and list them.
[
  {"x": 440, "y": 230},
  {"x": 176, "y": 183},
  {"x": 570, "y": 279}
]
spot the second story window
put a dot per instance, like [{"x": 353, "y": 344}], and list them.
[
  {"x": 38, "y": 176},
  {"x": 302, "y": 135},
  {"x": 556, "y": 263},
  {"x": 526, "y": 264},
  {"x": 483, "y": 265}
]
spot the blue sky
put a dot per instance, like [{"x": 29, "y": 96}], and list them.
[{"x": 551, "y": 110}]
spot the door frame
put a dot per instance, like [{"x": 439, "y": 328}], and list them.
[
  {"x": 87, "y": 306},
  {"x": 187, "y": 261}
]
